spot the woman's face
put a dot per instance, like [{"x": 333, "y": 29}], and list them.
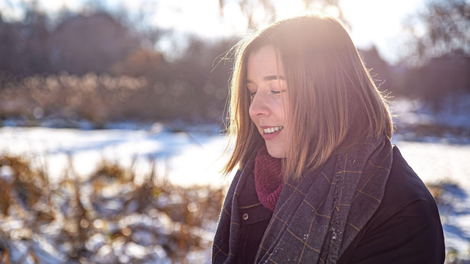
[{"x": 267, "y": 85}]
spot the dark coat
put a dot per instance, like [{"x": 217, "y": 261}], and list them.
[{"x": 404, "y": 229}]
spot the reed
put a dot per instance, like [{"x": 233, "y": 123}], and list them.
[{"x": 107, "y": 218}]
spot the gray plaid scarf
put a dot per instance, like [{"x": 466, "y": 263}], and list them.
[{"x": 316, "y": 217}]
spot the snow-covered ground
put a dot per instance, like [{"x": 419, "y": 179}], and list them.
[
  {"x": 454, "y": 111},
  {"x": 189, "y": 158},
  {"x": 446, "y": 165},
  {"x": 192, "y": 158}
]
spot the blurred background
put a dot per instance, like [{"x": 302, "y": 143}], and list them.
[{"x": 112, "y": 116}]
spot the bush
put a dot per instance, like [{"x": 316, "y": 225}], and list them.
[{"x": 107, "y": 218}]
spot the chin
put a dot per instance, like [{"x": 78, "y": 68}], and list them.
[{"x": 275, "y": 152}]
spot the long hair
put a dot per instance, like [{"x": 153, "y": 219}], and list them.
[{"x": 333, "y": 101}]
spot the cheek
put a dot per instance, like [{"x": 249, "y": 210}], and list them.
[
  {"x": 285, "y": 104},
  {"x": 252, "y": 117},
  {"x": 283, "y": 109},
  {"x": 250, "y": 111}
]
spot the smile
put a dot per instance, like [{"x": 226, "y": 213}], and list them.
[{"x": 272, "y": 129}]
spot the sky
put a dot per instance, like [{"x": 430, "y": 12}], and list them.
[{"x": 373, "y": 22}]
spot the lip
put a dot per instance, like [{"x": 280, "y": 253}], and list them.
[{"x": 269, "y": 136}]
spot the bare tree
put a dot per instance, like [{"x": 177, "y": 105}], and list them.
[
  {"x": 325, "y": 5},
  {"x": 249, "y": 8},
  {"x": 444, "y": 27}
]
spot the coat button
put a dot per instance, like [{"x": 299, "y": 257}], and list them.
[{"x": 245, "y": 216}]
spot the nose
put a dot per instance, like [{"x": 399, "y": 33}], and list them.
[{"x": 259, "y": 105}]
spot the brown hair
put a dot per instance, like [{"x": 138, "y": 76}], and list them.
[{"x": 333, "y": 100}]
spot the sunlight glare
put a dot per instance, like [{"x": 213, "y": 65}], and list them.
[
  {"x": 372, "y": 22},
  {"x": 287, "y": 9},
  {"x": 379, "y": 23},
  {"x": 332, "y": 11}
]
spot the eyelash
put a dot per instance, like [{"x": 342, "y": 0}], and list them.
[{"x": 272, "y": 91}]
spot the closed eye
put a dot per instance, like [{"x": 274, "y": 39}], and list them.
[
  {"x": 253, "y": 89},
  {"x": 277, "y": 92}
]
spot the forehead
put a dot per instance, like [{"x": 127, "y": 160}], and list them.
[{"x": 264, "y": 62}]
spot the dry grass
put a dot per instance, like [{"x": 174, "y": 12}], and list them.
[
  {"x": 97, "y": 99},
  {"x": 64, "y": 100},
  {"x": 105, "y": 219}
]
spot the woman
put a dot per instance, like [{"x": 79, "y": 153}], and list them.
[{"x": 318, "y": 179}]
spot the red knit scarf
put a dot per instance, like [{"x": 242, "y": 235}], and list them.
[{"x": 268, "y": 178}]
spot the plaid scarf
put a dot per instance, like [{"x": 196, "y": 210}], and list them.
[{"x": 317, "y": 216}]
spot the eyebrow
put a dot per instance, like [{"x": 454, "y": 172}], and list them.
[{"x": 270, "y": 78}]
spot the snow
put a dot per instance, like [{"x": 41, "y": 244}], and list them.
[
  {"x": 437, "y": 162},
  {"x": 192, "y": 158},
  {"x": 195, "y": 158},
  {"x": 453, "y": 111}
]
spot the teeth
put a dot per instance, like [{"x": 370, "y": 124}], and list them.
[{"x": 272, "y": 129}]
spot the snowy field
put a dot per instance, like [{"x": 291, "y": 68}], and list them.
[{"x": 191, "y": 158}]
